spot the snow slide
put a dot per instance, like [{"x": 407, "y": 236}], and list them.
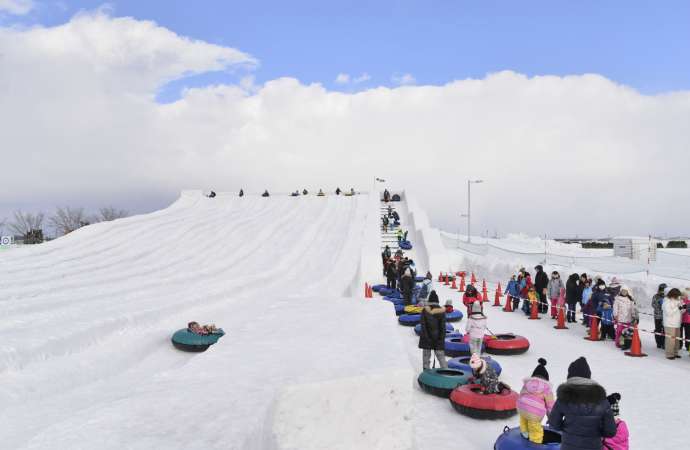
[{"x": 85, "y": 353}]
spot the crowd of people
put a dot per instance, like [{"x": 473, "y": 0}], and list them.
[{"x": 610, "y": 307}]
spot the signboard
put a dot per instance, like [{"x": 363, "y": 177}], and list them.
[{"x": 6, "y": 240}]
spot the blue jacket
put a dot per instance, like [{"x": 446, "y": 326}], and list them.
[
  {"x": 513, "y": 289},
  {"x": 582, "y": 414},
  {"x": 597, "y": 297},
  {"x": 606, "y": 314},
  {"x": 586, "y": 295}
]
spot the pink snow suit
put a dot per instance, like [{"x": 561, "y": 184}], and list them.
[
  {"x": 686, "y": 315},
  {"x": 476, "y": 326},
  {"x": 621, "y": 440},
  {"x": 536, "y": 399}
]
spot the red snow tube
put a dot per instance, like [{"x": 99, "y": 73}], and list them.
[
  {"x": 469, "y": 400},
  {"x": 506, "y": 344}
]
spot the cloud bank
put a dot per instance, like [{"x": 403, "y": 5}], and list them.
[
  {"x": 16, "y": 7},
  {"x": 560, "y": 155}
]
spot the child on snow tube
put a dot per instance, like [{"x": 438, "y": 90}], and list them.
[
  {"x": 535, "y": 401},
  {"x": 484, "y": 375},
  {"x": 194, "y": 327},
  {"x": 621, "y": 440}
]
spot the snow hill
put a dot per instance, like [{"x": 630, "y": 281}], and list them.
[{"x": 307, "y": 361}]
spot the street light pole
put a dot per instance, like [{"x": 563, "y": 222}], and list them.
[{"x": 469, "y": 183}]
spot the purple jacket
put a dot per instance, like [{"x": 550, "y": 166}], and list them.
[{"x": 536, "y": 399}]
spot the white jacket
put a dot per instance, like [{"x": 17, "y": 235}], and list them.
[
  {"x": 624, "y": 309},
  {"x": 672, "y": 315}
]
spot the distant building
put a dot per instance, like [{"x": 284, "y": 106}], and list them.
[{"x": 635, "y": 247}]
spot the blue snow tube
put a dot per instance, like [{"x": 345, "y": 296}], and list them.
[
  {"x": 419, "y": 279},
  {"x": 405, "y": 245},
  {"x": 191, "y": 342},
  {"x": 454, "y": 316},
  {"x": 409, "y": 320},
  {"x": 378, "y": 287},
  {"x": 418, "y": 328},
  {"x": 455, "y": 346},
  {"x": 385, "y": 291},
  {"x": 395, "y": 301},
  {"x": 512, "y": 440},
  {"x": 463, "y": 363},
  {"x": 399, "y": 309}
]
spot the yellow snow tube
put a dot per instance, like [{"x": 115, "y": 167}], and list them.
[{"x": 413, "y": 309}]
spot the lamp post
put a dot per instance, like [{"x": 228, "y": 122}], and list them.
[{"x": 469, "y": 184}]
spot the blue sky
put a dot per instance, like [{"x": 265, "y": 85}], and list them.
[{"x": 638, "y": 43}]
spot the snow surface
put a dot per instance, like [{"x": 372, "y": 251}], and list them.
[{"x": 307, "y": 362}]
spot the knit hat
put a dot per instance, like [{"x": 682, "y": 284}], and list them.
[
  {"x": 579, "y": 368},
  {"x": 614, "y": 399},
  {"x": 626, "y": 289},
  {"x": 449, "y": 302},
  {"x": 540, "y": 370},
  {"x": 433, "y": 297}
]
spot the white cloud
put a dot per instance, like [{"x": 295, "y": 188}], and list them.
[
  {"x": 575, "y": 154},
  {"x": 362, "y": 78},
  {"x": 342, "y": 78},
  {"x": 405, "y": 79},
  {"x": 16, "y": 7}
]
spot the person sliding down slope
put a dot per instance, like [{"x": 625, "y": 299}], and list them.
[
  {"x": 266, "y": 194},
  {"x": 535, "y": 401},
  {"x": 337, "y": 191},
  {"x": 433, "y": 333}
]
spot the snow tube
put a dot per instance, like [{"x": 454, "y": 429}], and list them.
[
  {"x": 419, "y": 279},
  {"x": 405, "y": 245},
  {"x": 418, "y": 328},
  {"x": 191, "y": 342},
  {"x": 399, "y": 309},
  {"x": 463, "y": 363},
  {"x": 409, "y": 320},
  {"x": 454, "y": 316},
  {"x": 395, "y": 301},
  {"x": 512, "y": 440},
  {"x": 395, "y": 198},
  {"x": 378, "y": 287},
  {"x": 506, "y": 344},
  {"x": 413, "y": 309},
  {"x": 441, "y": 382},
  {"x": 458, "y": 346},
  {"x": 469, "y": 400}
]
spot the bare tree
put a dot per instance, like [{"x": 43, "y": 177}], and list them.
[
  {"x": 2, "y": 225},
  {"x": 25, "y": 223},
  {"x": 109, "y": 213},
  {"x": 68, "y": 219}
]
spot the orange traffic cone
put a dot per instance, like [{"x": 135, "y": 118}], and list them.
[
  {"x": 534, "y": 311},
  {"x": 485, "y": 295},
  {"x": 462, "y": 283},
  {"x": 593, "y": 329},
  {"x": 561, "y": 320},
  {"x": 445, "y": 281},
  {"x": 366, "y": 290},
  {"x": 636, "y": 347},
  {"x": 509, "y": 304},
  {"x": 497, "y": 298},
  {"x": 371, "y": 292},
  {"x": 453, "y": 285},
  {"x": 499, "y": 290},
  {"x": 440, "y": 276},
  {"x": 473, "y": 280},
  {"x": 484, "y": 285}
]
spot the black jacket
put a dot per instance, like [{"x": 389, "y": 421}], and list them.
[
  {"x": 582, "y": 414},
  {"x": 406, "y": 284},
  {"x": 572, "y": 289},
  {"x": 541, "y": 280},
  {"x": 433, "y": 334},
  {"x": 391, "y": 273}
]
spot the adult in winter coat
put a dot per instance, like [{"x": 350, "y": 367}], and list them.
[
  {"x": 673, "y": 308},
  {"x": 581, "y": 411},
  {"x": 624, "y": 312},
  {"x": 406, "y": 286},
  {"x": 553, "y": 291},
  {"x": 572, "y": 295},
  {"x": 541, "y": 281},
  {"x": 433, "y": 333},
  {"x": 535, "y": 401},
  {"x": 391, "y": 275},
  {"x": 657, "y": 301},
  {"x": 513, "y": 292}
]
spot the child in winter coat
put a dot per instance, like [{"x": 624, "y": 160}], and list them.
[
  {"x": 513, "y": 292},
  {"x": 553, "y": 290},
  {"x": 484, "y": 375},
  {"x": 605, "y": 311},
  {"x": 205, "y": 330},
  {"x": 476, "y": 328},
  {"x": 531, "y": 301},
  {"x": 535, "y": 401},
  {"x": 470, "y": 296},
  {"x": 621, "y": 440},
  {"x": 586, "y": 295},
  {"x": 449, "y": 306},
  {"x": 624, "y": 312},
  {"x": 673, "y": 308}
]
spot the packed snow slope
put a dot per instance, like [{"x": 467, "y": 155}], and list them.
[{"x": 85, "y": 353}]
